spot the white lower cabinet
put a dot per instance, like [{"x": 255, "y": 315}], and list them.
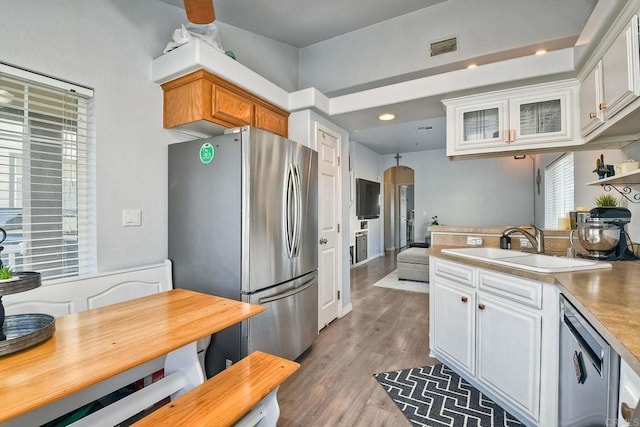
[
  {"x": 454, "y": 324},
  {"x": 500, "y": 332},
  {"x": 629, "y": 396},
  {"x": 508, "y": 350}
]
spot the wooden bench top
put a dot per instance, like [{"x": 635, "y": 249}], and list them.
[{"x": 224, "y": 399}]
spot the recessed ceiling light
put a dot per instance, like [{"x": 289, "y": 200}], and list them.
[
  {"x": 471, "y": 66},
  {"x": 541, "y": 52},
  {"x": 386, "y": 116}
]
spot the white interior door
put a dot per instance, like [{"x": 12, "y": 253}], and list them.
[
  {"x": 403, "y": 216},
  {"x": 328, "y": 232}
]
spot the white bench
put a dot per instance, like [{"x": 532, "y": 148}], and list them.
[{"x": 66, "y": 296}]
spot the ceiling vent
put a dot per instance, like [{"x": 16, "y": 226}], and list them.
[{"x": 444, "y": 46}]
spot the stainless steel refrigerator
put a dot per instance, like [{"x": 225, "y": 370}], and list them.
[{"x": 243, "y": 225}]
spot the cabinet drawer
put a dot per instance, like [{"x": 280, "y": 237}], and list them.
[
  {"x": 460, "y": 274},
  {"x": 513, "y": 288}
]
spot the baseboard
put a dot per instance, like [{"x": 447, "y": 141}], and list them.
[
  {"x": 346, "y": 310},
  {"x": 371, "y": 258}
]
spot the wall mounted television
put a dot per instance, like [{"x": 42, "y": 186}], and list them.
[{"x": 367, "y": 199}]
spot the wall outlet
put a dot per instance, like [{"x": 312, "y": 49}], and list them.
[
  {"x": 474, "y": 241},
  {"x": 227, "y": 363},
  {"x": 524, "y": 243},
  {"x": 131, "y": 217}
]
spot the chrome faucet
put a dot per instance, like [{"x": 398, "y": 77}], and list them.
[{"x": 537, "y": 240}]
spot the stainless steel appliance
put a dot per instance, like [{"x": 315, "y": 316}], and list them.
[
  {"x": 243, "y": 225},
  {"x": 589, "y": 372},
  {"x": 601, "y": 232}
]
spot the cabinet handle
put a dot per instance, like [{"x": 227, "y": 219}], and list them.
[
  {"x": 602, "y": 106},
  {"x": 506, "y": 136},
  {"x": 626, "y": 411},
  {"x": 592, "y": 115},
  {"x": 512, "y": 135},
  {"x": 481, "y": 306},
  {"x": 464, "y": 299}
]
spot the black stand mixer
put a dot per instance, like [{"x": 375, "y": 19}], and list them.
[{"x": 603, "y": 236}]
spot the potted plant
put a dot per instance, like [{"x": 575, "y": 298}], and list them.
[
  {"x": 6, "y": 274},
  {"x": 606, "y": 200}
]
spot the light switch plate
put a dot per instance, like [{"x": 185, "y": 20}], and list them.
[{"x": 131, "y": 217}]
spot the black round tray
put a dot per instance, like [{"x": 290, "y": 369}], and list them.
[
  {"x": 25, "y": 281},
  {"x": 26, "y": 330}
]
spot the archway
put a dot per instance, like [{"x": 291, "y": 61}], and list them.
[{"x": 399, "y": 205}]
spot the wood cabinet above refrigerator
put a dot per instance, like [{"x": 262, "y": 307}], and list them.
[{"x": 202, "y": 103}]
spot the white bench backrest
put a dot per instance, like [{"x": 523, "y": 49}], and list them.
[{"x": 66, "y": 296}]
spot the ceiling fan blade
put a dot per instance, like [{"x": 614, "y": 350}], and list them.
[{"x": 200, "y": 11}]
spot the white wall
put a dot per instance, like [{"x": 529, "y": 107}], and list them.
[
  {"x": 365, "y": 163},
  {"x": 400, "y": 46},
  {"x": 275, "y": 61},
  {"x": 109, "y": 45},
  {"x": 477, "y": 192}
]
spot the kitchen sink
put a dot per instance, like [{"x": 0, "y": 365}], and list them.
[{"x": 527, "y": 261}]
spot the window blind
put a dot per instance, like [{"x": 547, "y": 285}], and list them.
[
  {"x": 47, "y": 178},
  {"x": 558, "y": 190}
]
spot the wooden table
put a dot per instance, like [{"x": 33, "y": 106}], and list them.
[{"x": 92, "y": 346}]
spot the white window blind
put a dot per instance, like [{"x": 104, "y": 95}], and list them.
[
  {"x": 47, "y": 185},
  {"x": 558, "y": 190}
]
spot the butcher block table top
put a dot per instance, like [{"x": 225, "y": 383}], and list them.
[{"x": 93, "y": 345}]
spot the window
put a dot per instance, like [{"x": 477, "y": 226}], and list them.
[
  {"x": 558, "y": 190},
  {"x": 46, "y": 174}
]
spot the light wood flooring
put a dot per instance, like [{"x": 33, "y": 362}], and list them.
[{"x": 387, "y": 330}]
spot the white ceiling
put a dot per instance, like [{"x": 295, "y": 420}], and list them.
[{"x": 306, "y": 22}]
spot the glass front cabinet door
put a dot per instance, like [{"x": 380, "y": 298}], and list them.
[
  {"x": 480, "y": 125},
  {"x": 530, "y": 117},
  {"x": 540, "y": 118}
]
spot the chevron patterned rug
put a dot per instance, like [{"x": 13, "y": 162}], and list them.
[{"x": 434, "y": 396}]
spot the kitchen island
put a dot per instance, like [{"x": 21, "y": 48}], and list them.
[{"x": 90, "y": 348}]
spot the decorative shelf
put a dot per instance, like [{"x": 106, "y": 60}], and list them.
[
  {"x": 628, "y": 178},
  {"x": 621, "y": 183}
]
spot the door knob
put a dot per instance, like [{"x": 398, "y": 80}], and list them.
[{"x": 323, "y": 241}]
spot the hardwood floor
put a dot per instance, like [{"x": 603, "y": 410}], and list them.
[{"x": 387, "y": 330}]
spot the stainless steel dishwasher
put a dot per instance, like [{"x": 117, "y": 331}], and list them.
[{"x": 589, "y": 373}]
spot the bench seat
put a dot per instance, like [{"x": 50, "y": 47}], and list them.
[{"x": 228, "y": 397}]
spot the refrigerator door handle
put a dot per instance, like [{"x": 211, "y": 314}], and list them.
[
  {"x": 287, "y": 293},
  {"x": 298, "y": 210},
  {"x": 288, "y": 217}
]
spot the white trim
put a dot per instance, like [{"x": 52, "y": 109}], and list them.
[
  {"x": 345, "y": 310},
  {"x": 46, "y": 80}
]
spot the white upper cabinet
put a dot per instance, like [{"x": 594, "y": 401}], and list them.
[
  {"x": 613, "y": 83},
  {"x": 591, "y": 113},
  {"x": 542, "y": 116},
  {"x": 620, "y": 70}
]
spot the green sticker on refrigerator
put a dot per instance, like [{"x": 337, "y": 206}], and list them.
[{"x": 206, "y": 153}]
